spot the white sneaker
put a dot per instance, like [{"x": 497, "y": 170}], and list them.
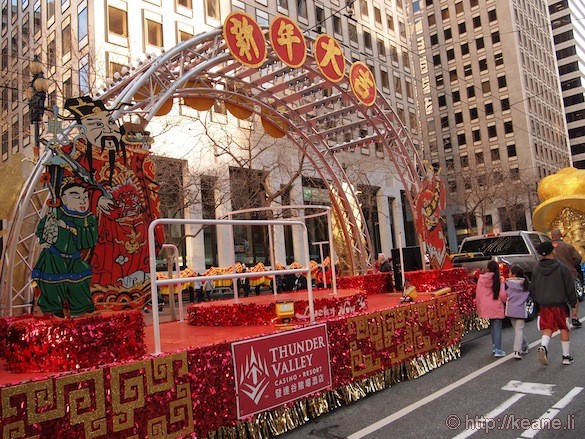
[
  {"x": 517, "y": 355},
  {"x": 542, "y": 356}
]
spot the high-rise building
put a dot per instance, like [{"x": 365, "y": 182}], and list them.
[
  {"x": 85, "y": 46},
  {"x": 568, "y": 27},
  {"x": 492, "y": 112}
]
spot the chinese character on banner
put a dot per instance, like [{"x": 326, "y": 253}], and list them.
[
  {"x": 363, "y": 83},
  {"x": 288, "y": 41},
  {"x": 276, "y": 369},
  {"x": 329, "y": 57},
  {"x": 245, "y": 39}
]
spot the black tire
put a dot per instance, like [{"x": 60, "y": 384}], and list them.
[{"x": 531, "y": 309}]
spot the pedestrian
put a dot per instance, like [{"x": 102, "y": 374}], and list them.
[
  {"x": 199, "y": 289},
  {"x": 300, "y": 282},
  {"x": 209, "y": 286},
  {"x": 552, "y": 288},
  {"x": 383, "y": 263},
  {"x": 568, "y": 255},
  {"x": 517, "y": 286},
  {"x": 490, "y": 297}
]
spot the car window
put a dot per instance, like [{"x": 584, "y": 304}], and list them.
[
  {"x": 536, "y": 239},
  {"x": 496, "y": 246}
]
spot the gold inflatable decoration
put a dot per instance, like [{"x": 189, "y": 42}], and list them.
[{"x": 562, "y": 206}]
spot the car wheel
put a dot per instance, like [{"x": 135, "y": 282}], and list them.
[{"x": 531, "y": 309}]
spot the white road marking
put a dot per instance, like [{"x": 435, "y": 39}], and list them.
[
  {"x": 533, "y": 388},
  {"x": 430, "y": 398},
  {"x": 544, "y": 422},
  {"x": 480, "y": 423}
]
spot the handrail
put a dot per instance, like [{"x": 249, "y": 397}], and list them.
[{"x": 154, "y": 282}]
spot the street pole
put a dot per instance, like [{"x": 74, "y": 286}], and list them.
[{"x": 36, "y": 95}]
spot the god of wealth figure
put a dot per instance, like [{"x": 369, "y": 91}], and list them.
[{"x": 562, "y": 206}]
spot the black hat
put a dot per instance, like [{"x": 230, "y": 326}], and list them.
[{"x": 544, "y": 248}]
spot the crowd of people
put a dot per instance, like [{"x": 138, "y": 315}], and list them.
[{"x": 552, "y": 288}]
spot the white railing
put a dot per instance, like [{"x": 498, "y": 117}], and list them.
[{"x": 154, "y": 282}]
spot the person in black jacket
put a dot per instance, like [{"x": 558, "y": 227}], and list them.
[
  {"x": 552, "y": 288},
  {"x": 300, "y": 282}
]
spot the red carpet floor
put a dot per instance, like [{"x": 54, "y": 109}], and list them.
[{"x": 177, "y": 335}]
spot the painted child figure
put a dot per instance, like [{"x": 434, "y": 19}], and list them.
[
  {"x": 490, "y": 297},
  {"x": 61, "y": 271},
  {"x": 517, "y": 290}
]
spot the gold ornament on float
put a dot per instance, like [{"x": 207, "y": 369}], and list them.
[{"x": 562, "y": 206}]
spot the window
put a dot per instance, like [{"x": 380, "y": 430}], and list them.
[
  {"x": 508, "y": 127},
  {"x": 459, "y": 7},
  {"x": 337, "y": 24},
  {"x": 489, "y": 108},
  {"x": 368, "y": 41},
  {"x": 353, "y": 34},
  {"x": 499, "y": 59},
  {"x": 67, "y": 87},
  {"x": 381, "y": 48},
  {"x": 212, "y": 10},
  {"x": 483, "y": 65},
  {"x": 434, "y": 39},
  {"x": 462, "y": 28},
  {"x": 465, "y": 49},
  {"x": 117, "y": 21},
  {"x": 439, "y": 79},
  {"x": 495, "y": 154},
  {"x": 492, "y": 15},
  {"x": 402, "y": 30},
  {"x": 476, "y": 134},
  {"x": 154, "y": 34},
  {"x": 502, "y": 82},
  {"x": 470, "y": 91},
  {"x": 515, "y": 174},
  {"x": 113, "y": 68},
  {"x": 476, "y": 22},
  {"x": 511, "y": 150},
  {"x": 451, "y": 54},
  {"x": 479, "y": 158},
  {"x": 456, "y": 95},
  {"x": 431, "y": 20},
  {"x": 448, "y": 34},
  {"x": 390, "y": 22},
  {"x": 377, "y": 15},
  {"x": 473, "y": 113},
  {"x": 445, "y": 122},
  {"x": 185, "y": 36},
  {"x": 467, "y": 70},
  {"x": 485, "y": 87},
  {"x": 461, "y": 140},
  {"x": 458, "y": 117},
  {"x": 37, "y": 19},
  {"x": 364, "y": 8},
  {"x": 495, "y": 37},
  {"x": 397, "y": 85},
  {"x": 84, "y": 78},
  {"x": 437, "y": 60},
  {"x": 185, "y": 3},
  {"x": 442, "y": 101},
  {"x": 52, "y": 53},
  {"x": 409, "y": 89},
  {"x": 464, "y": 161},
  {"x": 66, "y": 40},
  {"x": 50, "y": 9},
  {"x": 445, "y": 13},
  {"x": 453, "y": 75},
  {"x": 301, "y": 8},
  {"x": 479, "y": 43},
  {"x": 467, "y": 183},
  {"x": 505, "y": 104},
  {"x": 82, "y": 26},
  {"x": 493, "y": 133},
  {"x": 385, "y": 79}
]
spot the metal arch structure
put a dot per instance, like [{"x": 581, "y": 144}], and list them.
[{"x": 319, "y": 117}]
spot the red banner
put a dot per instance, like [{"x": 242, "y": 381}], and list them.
[{"x": 276, "y": 369}]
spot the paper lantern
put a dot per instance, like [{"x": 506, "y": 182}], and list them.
[{"x": 199, "y": 103}]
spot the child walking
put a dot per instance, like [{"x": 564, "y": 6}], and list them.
[
  {"x": 517, "y": 291},
  {"x": 490, "y": 297}
]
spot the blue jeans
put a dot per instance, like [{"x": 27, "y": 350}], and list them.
[{"x": 496, "y": 327}]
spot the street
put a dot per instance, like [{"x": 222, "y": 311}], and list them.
[{"x": 474, "y": 396}]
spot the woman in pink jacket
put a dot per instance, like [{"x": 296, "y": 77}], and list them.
[{"x": 490, "y": 297}]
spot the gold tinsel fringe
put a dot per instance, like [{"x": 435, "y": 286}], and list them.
[
  {"x": 472, "y": 322},
  {"x": 283, "y": 419}
]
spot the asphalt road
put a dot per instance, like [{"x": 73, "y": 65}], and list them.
[{"x": 474, "y": 396}]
